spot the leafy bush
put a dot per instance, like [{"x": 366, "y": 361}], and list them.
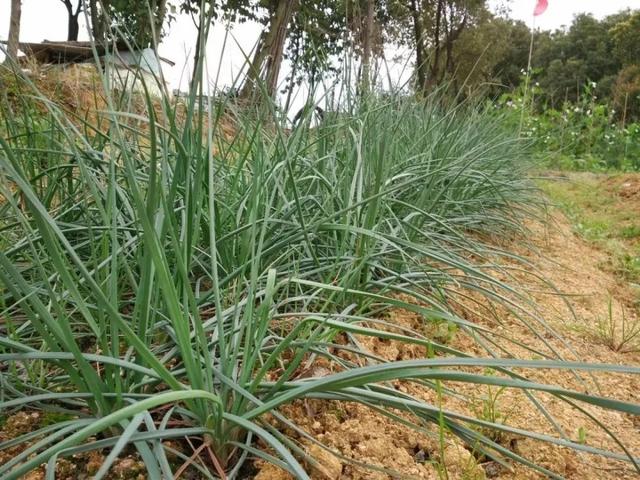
[{"x": 586, "y": 135}]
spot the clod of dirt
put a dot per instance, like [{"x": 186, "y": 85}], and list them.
[
  {"x": 20, "y": 423},
  {"x": 130, "y": 469},
  {"x": 326, "y": 466},
  {"x": 492, "y": 469},
  {"x": 460, "y": 463},
  {"x": 269, "y": 471},
  {"x": 627, "y": 186},
  {"x": 94, "y": 462}
]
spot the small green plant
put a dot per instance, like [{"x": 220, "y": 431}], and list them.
[
  {"x": 441, "y": 331},
  {"x": 630, "y": 231},
  {"x": 489, "y": 411},
  {"x": 582, "y": 435},
  {"x": 623, "y": 335},
  {"x": 629, "y": 266},
  {"x": 52, "y": 418}
]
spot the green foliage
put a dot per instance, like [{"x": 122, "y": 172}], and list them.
[
  {"x": 508, "y": 50},
  {"x": 626, "y": 93},
  {"x": 570, "y": 58},
  {"x": 137, "y": 20},
  {"x": 588, "y": 51},
  {"x": 626, "y": 38},
  {"x": 619, "y": 334},
  {"x": 585, "y": 135},
  {"x": 317, "y": 37},
  {"x": 630, "y": 231},
  {"x": 53, "y": 418}
]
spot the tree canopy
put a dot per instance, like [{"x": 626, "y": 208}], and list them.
[{"x": 463, "y": 44}]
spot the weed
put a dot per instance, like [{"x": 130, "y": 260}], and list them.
[
  {"x": 628, "y": 266},
  {"x": 441, "y": 331},
  {"x": 620, "y": 335},
  {"x": 52, "y": 418},
  {"x": 600, "y": 216},
  {"x": 582, "y": 435},
  {"x": 490, "y": 411},
  {"x": 630, "y": 231}
]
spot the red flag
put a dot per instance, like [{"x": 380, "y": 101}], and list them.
[{"x": 541, "y": 7}]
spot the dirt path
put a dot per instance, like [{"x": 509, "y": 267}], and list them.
[{"x": 587, "y": 300}]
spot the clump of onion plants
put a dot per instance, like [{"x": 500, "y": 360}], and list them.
[{"x": 162, "y": 281}]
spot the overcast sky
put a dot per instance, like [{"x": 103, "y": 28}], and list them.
[{"x": 46, "y": 19}]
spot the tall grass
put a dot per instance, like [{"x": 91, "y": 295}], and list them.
[{"x": 161, "y": 280}]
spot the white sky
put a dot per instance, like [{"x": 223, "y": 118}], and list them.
[{"x": 46, "y": 19}]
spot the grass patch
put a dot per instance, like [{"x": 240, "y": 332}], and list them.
[
  {"x": 605, "y": 210},
  {"x": 619, "y": 334}
]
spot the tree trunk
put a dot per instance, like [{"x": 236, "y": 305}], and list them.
[
  {"x": 452, "y": 35},
  {"x": 73, "y": 27},
  {"x": 14, "y": 31},
  {"x": 202, "y": 32},
  {"x": 367, "y": 47},
  {"x": 437, "y": 46},
  {"x": 160, "y": 14},
  {"x": 274, "y": 61},
  {"x": 95, "y": 20},
  {"x": 294, "y": 73},
  {"x": 99, "y": 19},
  {"x": 418, "y": 30},
  {"x": 269, "y": 51}
]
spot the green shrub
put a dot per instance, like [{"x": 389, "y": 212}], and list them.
[{"x": 586, "y": 135}]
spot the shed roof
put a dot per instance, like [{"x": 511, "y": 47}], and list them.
[{"x": 71, "y": 52}]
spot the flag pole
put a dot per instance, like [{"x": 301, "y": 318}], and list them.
[
  {"x": 540, "y": 8},
  {"x": 525, "y": 100}
]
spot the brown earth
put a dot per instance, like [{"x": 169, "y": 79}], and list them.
[{"x": 626, "y": 186}]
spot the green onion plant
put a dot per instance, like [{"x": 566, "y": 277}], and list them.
[{"x": 161, "y": 279}]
